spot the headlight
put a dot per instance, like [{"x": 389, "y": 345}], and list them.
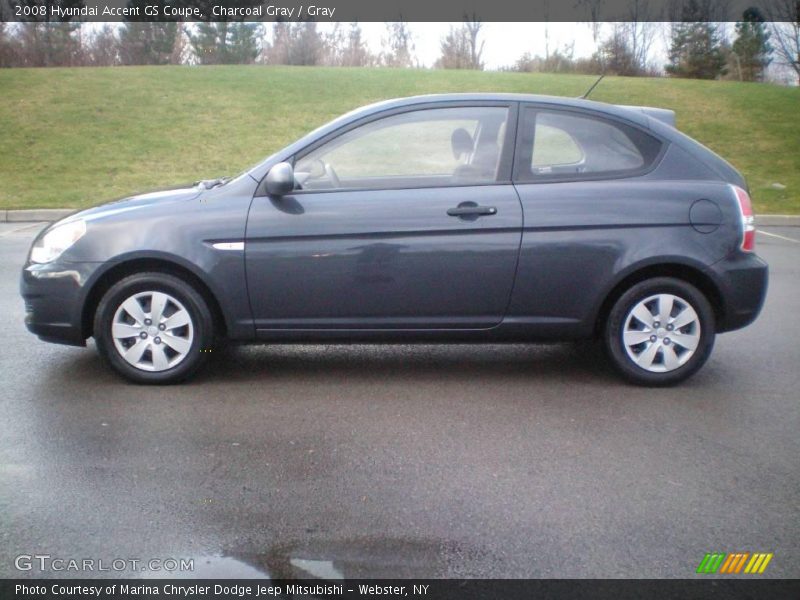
[{"x": 53, "y": 243}]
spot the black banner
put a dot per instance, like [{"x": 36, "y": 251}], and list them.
[
  {"x": 378, "y": 10},
  {"x": 428, "y": 589}
]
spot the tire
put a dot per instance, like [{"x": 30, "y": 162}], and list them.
[
  {"x": 655, "y": 353},
  {"x": 164, "y": 351}
]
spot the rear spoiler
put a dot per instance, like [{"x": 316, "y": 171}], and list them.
[{"x": 662, "y": 114}]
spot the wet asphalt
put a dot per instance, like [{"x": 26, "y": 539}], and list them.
[{"x": 408, "y": 461}]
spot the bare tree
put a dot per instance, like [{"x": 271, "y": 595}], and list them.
[
  {"x": 346, "y": 48},
  {"x": 454, "y": 50},
  {"x": 785, "y": 29},
  {"x": 276, "y": 51},
  {"x": 295, "y": 44},
  {"x": 355, "y": 52},
  {"x": 180, "y": 48},
  {"x": 8, "y": 50},
  {"x": 48, "y": 44},
  {"x": 102, "y": 47},
  {"x": 593, "y": 8},
  {"x": 546, "y": 29},
  {"x": 460, "y": 48},
  {"x": 641, "y": 30},
  {"x": 398, "y": 45},
  {"x": 616, "y": 55},
  {"x": 333, "y": 46},
  {"x": 561, "y": 60},
  {"x": 51, "y": 39},
  {"x": 473, "y": 27}
]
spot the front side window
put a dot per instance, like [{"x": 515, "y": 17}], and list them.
[
  {"x": 430, "y": 147},
  {"x": 565, "y": 145}
]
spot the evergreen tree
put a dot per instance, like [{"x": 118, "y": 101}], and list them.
[
  {"x": 244, "y": 43},
  {"x": 306, "y": 45},
  {"x": 42, "y": 42},
  {"x": 208, "y": 41},
  {"x": 751, "y": 47},
  {"x": 228, "y": 41},
  {"x": 696, "y": 49},
  {"x": 146, "y": 42}
]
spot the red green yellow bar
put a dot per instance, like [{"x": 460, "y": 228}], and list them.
[{"x": 732, "y": 563}]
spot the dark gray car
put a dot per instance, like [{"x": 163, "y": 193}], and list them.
[{"x": 451, "y": 218}]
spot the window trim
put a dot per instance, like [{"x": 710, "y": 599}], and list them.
[
  {"x": 504, "y": 168},
  {"x": 521, "y": 173}
]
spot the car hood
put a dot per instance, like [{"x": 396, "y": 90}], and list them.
[{"x": 139, "y": 201}]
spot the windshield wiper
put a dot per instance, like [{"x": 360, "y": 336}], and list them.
[{"x": 212, "y": 183}]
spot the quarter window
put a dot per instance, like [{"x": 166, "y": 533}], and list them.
[
  {"x": 564, "y": 145},
  {"x": 431, "y": 147}
]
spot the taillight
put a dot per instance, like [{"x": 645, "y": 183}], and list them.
[{"x": 748, "y": 219}]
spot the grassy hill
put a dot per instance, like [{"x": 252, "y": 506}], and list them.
[{"x": 76, "y": 137}]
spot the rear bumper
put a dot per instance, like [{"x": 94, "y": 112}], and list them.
[
  {"x": 742, "y": 279},
  {"x": 54, "y": 297}
]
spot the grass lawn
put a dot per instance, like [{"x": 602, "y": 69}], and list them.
[{"x": 77, "y": 137}]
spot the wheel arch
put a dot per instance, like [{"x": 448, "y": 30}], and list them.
[
  {"x": 121, "y": 269},
  {"x": 691, "y": 274}
]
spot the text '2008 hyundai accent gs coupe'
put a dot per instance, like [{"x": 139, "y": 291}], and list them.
[{"x": 450, "y": 218}]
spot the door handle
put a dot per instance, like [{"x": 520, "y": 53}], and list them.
[{"x": 470, "y": 209}]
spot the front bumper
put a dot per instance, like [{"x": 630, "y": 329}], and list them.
[
  {"x": 54, "y": 295},
  {"x": 742, "y": 279}
]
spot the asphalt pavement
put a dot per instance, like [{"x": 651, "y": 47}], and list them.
[{"x": 408, "y": 461}]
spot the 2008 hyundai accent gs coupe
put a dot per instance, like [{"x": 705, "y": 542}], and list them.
[{"x": 450, "y": 218}]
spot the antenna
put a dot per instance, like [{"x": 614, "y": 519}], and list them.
[{"x": 594, "y": 85}]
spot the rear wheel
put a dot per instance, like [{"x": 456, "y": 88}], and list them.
[
  {"x": 660, "y": 331},
  {"x": 153, "y": 328}
]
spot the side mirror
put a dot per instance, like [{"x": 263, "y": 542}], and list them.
[{"x": 280, "y": 179}]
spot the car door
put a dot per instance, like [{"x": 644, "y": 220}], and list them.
[
  {"x": 593, "y": 203},
  {"x": 405, "y": 220}
]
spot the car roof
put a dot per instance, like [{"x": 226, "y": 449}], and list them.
[{"x": 630, "y": 113}]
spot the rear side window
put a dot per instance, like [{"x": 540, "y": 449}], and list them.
[{"x": 563, "y": 145}]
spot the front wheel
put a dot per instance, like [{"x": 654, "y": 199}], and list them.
[
  {"x": 153, "y": 328},
  {"x": 660, "y": 332}
]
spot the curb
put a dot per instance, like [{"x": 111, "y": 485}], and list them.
[
  {"x": 35, "y": 215},
  {"x": 54, "y": 214},
  {"x": 778, "y": 220}
]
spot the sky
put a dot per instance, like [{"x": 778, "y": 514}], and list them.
[{"x": 505, "y": 42}]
